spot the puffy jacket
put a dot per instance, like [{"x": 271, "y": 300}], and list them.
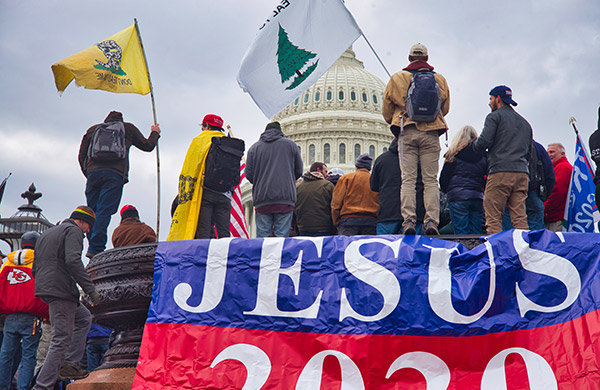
[
  {"x": 273, "y": 165},
  {"x": 507, "y": 137},
  {"x": 132, "y": 137},
  {"x": 548, "y": 169},
  {"x": 352, "y": 197},
  {"x": 57, "y": 267},
  {"x": 313, "y": 204},
  {"x": 464, "y": 178},
  {"x": 554, "y": 206},
  {"x": 386, "y": 179},
  {"x": 17, "y": 285},
  {"x": 396, "y": 92}
]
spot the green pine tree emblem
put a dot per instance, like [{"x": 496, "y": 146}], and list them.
[{"x": 291, "y": 59}]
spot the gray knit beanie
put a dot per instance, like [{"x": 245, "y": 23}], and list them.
[{"x": 364, "y": 161}]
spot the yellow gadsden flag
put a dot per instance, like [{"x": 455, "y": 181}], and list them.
[{"x": 116, "y": 64}]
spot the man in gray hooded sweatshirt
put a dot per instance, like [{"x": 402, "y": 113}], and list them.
[{"x": 273, "y": 165}]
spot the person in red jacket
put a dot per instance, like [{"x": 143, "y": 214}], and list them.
[
  {"x": 22, "y": 328},
  {"x": 554, "y": 206}
]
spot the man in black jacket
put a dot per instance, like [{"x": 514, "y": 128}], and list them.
[
  {"x": 387, "y": 181},
  {"x": 57, "y": 269},
  {"x": 595, "y": 152}
]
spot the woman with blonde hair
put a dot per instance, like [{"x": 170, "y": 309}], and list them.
[{"x": 463, "y": 181}]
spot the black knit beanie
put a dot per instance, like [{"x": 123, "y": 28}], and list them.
[
  {"x": 273, "y": 125},
  {"x": 85, "y": 214}
]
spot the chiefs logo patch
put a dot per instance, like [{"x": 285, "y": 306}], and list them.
[{"x": 17, "y": 276}]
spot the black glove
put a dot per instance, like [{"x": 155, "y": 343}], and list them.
[{"x": 94, "y": 297}]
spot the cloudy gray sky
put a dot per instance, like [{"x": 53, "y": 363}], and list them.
[{"x": 548, "y": 52}]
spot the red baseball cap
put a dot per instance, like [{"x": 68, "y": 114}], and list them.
[
  {"x": 127, "y": 207},
  {"x": 213, "y": 120}
]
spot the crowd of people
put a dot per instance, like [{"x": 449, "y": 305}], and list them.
[
  {"x": 47, "y": 334},
  {"x": 489, "y": 182}
]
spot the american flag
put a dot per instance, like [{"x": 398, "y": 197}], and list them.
[{"x": 237, "y": 225}]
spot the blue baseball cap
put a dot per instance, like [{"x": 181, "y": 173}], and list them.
[{"x": 505, "y": 94}]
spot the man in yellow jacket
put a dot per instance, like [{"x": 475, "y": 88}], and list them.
[
  {"x": 354, "y": 206},
  {"x": 198, "y": 211},
  {"x": 418, "y": 137}
]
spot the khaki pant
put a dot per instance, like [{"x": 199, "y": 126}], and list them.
[
  {"x": 555, "y": 226},
  {"x": 413, "y": 147},
  {"x": 504, "y": 188}
]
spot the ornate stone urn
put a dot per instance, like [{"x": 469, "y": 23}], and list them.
[{"x": 123, "y": 278}]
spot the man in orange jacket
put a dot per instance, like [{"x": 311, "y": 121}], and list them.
[{"x": 354, "y": 206}]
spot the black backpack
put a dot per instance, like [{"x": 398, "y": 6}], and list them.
[
  {"x": 536, "y": 174},
  {"x": 222, "y": 166},
  {"x": 108, "y": 142},
  {"x": 423, "y": 103}
]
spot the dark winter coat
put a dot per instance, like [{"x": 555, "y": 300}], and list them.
[
  {"x": 507, "y": 137},
  {"x": 547, "y": 167},
  {"x": 464, "y": 178},
  {"x": 595, "y": 150},
  {"x": 57, "y": 266},
  {"x": 133, "y": 136},
  {"x": 313, "y": 205},
  {"x": 273, "y": 165},
  {"x": 386, "y": 179}
]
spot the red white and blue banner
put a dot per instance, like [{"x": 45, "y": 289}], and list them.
[
  {"x": 581, "y": 212},
  {"x": 520, "y": 311}
]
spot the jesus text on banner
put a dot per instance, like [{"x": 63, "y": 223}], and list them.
[{"x": 519, "y": 311}]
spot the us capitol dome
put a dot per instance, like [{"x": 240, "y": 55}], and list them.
[{"x": 334, "y": 121}]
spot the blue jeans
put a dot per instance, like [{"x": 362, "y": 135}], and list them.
[
  {"x": 103, "y": 193},
  {"x": 95, "y": 355},
  {"x": 534, "y": 207},
  {"x": 21, "y": 330},
  {"x": 278, "y": 223},
  {"x": 389, "y": 227},
  {"x": 466, "y": 216}
]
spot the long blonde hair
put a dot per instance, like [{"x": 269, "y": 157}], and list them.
[{"x": 465, "y": 136}]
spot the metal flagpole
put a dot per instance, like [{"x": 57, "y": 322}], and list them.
[
  {"x": 374, "y": 52},
  {"x": 137, "y": 29},
  {"x": 572, "y": 121}
]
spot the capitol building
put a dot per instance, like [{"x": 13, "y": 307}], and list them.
[{"x": 334, "y": 121}]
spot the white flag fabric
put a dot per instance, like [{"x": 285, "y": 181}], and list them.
[{"x": 299, "y": 42}]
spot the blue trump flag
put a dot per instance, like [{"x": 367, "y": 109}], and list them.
[{"x": 581, "y": 212}]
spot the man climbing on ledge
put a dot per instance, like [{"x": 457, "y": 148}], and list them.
[{"x": 104, "y": 160}]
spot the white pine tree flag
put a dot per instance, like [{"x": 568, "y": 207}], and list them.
[{"x": 299, "y": 42}]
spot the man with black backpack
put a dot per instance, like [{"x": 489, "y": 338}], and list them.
[
  {"x": 104, "y": 160},
  {"x": 415, "y": 102},
  {"x": 210, "y": 172}
]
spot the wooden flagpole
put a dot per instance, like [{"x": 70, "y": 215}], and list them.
[{"x": 155, "y": 122}]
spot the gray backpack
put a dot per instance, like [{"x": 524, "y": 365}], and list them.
[{"x": 108, "y": 142}]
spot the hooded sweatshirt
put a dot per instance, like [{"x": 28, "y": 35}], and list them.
[{"x": 273, "y": 165}]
